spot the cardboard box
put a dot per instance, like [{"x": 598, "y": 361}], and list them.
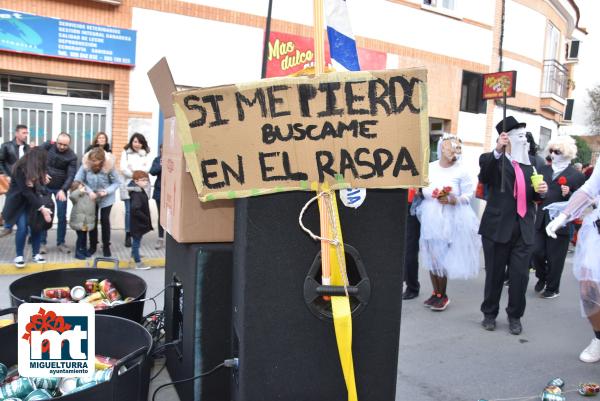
[{"x": 182, "y": 214}]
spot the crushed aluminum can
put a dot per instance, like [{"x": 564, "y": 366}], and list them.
[
  {"x": 91, "y": 285},
  {"x": 104, "y": 362},
  {"x": 99, "y": 376},
  {"x": 82, "y": 387},
  {"x": 553, "y": 389},
  {"x": 588, "y": 389},
  {"x": 3, "y": 372},
  {"x": 77, "y": 293},
  {"x": 56, "y": 292},
  {"x": 12, "y": 399},
  {"x": 557, "y": 381},
  {"x": 46, "y": 383},
  {"x": 90, "y": 299},
  {"x": 17, "y": 389},
  {"x": 546, "y": 396},
  {"x": 38, "y": 395},
  {"x": 67, "y": 384},
  {"x": 109, "y": 290}
]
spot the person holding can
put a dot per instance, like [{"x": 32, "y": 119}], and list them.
[
  {"x": 101, "y": 180},
  {"x": 586, "y": 263}
]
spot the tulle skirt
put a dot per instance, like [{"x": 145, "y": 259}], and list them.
[
  {"x": 449, "y": 244},
  {"x": 586, "y": 264}
]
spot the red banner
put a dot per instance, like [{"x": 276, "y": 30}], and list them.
[
  {"x": 496, "y": 83},
  {"x": 291, "y": 53}
]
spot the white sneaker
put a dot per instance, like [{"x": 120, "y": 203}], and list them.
[
  {"x": 141, "y": 266},
  {"x": 159, "y": 243},
  {"x": 19, "y": 262},
  {"x": 592, "y": 352},
  {"x": 39, "y": 258}
]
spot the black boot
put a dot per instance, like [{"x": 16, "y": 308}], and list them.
[
  {"x": 106, "y": 251},
  {"x": 127, "y": 240},
  {"x": 92, "y": 250}
]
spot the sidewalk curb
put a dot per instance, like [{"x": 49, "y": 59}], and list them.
[{"x": 9, "y": 268}]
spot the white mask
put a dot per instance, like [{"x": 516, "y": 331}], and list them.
[
  {"x": 559, "y": 162},
  {"x": 518, "y": 145}
]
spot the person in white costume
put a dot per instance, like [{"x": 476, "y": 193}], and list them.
[
  {"x": 586, "y": 264},
  {"x": 449, "y": 244}
]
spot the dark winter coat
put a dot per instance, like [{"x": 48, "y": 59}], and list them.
[
  {"x": 141, "y": 222},
  {"x": 156, "y": 170},
  {"x": 21, "y": 197},
  {"x": 574, "y": 179},
  {"x": 9, "y": 154},
  {"x": 83, "y": 213},
  {"x": 62, "y": 166}
]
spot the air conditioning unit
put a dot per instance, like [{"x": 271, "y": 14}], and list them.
[
  {"x": 568, "y": 115},
  {"x": 111, "y": 2},
  {"x": 572, "y": 50}
]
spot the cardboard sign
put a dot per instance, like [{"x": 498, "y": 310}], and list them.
[
  {"x": 350, "y": 129},
  {"x": 496, "y": 83}
]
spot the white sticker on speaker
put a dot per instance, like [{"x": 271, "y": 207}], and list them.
[{"x": 353, "y": 197}]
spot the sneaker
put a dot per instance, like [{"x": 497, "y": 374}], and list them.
[
  {"x": 489, "y": 323},
  {"x": 5, "y": 232},
  {"x": 550, "y": 294},
  {"x": 429, "y": 301},
  {"x": 141, "y": 266},
  {"x": 159, "y": 243},
  {"x": 540, "y": 285},
  {"x": 62, "y": 248},
  {"x": 514, "y": 326},
  {"x": 19, "y": 262},
  {"x": 43, "y": 249},
  {"x": 440, "y": 304},
  {"x": 39, "y": 258},
  {"x": 591, "y": 353}
]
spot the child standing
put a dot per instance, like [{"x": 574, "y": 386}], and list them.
[
  {"x": 140, "y": 215},
  {"x": 83, "y": 217}
]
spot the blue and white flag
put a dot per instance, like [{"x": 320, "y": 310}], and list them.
[{"x": 342, "y": 46}]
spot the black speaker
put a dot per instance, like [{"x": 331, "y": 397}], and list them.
[
  {"x": 283, "y": 335},
  {"x": 198, "y": 313}
]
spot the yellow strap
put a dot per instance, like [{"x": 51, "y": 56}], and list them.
[{"x": 340, "y": 305}]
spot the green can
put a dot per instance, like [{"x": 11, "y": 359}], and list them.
[
  {"x": 39, "y": 394},
  {"x": 18, "y": 388},
  {"x": 3, "y": 372},
  {"x": 100, "y": 376},
  {"x": 82, "y": 387},
  {"x": 46, "y": 383}
]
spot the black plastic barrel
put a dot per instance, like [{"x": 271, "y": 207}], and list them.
[
  {"x": 115, "y": 337},
  {"x": 128, "y": 284}
]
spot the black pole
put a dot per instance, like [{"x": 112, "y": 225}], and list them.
[
  {"x": 267, "y": 39},
  {"x": 503, "y": 147}
]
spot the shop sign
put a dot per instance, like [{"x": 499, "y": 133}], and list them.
[{"x": 52, "y": 37}]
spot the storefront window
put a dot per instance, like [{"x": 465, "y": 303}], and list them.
[{"x": 53, "y": 87}]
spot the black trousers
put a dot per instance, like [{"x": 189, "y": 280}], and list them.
[
  {"x": 516, "y": 255},
  {"x": 161, "y": 231},
  {"x": 105, "y": 221},
  {"x": 549, "y": 256},
  {"x": 411, "y": 257}
]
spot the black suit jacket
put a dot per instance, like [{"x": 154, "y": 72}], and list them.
[
  {"x": 501, "y": 209},
  {"x": 574, "y": 178}
]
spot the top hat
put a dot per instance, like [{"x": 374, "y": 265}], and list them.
[{"x": 511, "y": 123}]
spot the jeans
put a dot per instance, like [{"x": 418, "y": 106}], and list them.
[
  {"x": 61, "y": 212},
  {"x": 135, "y": 248},
  {"x": 21, "y": 236},
  {"x": 161, "y": 230},
  {"x": 127, "y": 214},
  {"x": 81, "y": 244}
]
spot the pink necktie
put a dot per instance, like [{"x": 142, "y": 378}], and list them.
[{"x": 519, "y": 192}]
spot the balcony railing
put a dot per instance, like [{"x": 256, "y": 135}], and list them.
[{"x": 555, "y": 79}]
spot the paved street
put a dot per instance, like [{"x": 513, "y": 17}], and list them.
[{"x": 447, "y": 356}]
